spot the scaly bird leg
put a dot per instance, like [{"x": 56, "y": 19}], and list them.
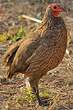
[{"x": 34, "y": 85}]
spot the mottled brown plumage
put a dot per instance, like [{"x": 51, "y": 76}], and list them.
[{"x": 41, "y": 52}]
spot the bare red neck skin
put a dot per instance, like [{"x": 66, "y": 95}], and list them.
[{"x": 55, "y": 13}]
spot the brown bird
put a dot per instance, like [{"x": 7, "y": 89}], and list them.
[{"x": 42, "y": 51}]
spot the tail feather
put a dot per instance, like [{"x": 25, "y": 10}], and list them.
[
  {"x": 9, "y": 56},
  {"x": 9, "y": 75}
]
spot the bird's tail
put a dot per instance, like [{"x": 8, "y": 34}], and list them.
[
  {"x": 9, "y": 56},
  {"x": 9, "y": 74}
]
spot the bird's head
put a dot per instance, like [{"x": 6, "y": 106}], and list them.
[{"x": 55, "y": 9}]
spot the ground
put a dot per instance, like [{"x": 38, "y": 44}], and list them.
[{"x": 58, "y": 83}]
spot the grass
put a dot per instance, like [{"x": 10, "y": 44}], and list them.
[
  {"x": 20, "y": 33},
  {"x": 3, "y": 37},
  {"x": 26, "y": 95}
]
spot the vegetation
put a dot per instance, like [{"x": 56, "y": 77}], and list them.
[{"x": 20, "y": 33}]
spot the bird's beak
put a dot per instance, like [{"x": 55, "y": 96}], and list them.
[{"x": 61, "y": 9}]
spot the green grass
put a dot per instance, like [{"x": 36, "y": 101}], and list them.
[
  {"x": 25, "y": 96},
  {"x": 3, "y": 37},
  {"x": 20, "y": 33}
]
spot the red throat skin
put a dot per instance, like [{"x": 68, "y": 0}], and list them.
[{"x": 55, "y": 13}]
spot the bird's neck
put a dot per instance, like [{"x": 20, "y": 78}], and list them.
[
  {"x": 47, "y": 22},
  {"x": 50, "y": 22}
]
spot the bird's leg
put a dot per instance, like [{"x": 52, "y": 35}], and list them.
[
  {"x": 34, "y": 85},
  {"x": 41, "y": 101},
  {"x": 36, "y": 92}
]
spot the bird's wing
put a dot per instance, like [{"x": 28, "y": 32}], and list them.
[
  {"x": 40, "y": 58},
  {"x": 12, "y": 50},
  {"x": 31, "y": 50},
  {"x": 25, "y": 50}
]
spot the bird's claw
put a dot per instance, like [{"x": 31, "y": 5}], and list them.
[{"x": 43, "y": 102}]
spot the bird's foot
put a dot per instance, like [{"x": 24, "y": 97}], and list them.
[{"x": 43, "y": 101}]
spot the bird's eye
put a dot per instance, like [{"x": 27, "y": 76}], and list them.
[{"x": 55, "y": 7}]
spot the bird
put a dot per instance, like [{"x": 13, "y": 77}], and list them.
[{"x": 42, "y": 51}]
